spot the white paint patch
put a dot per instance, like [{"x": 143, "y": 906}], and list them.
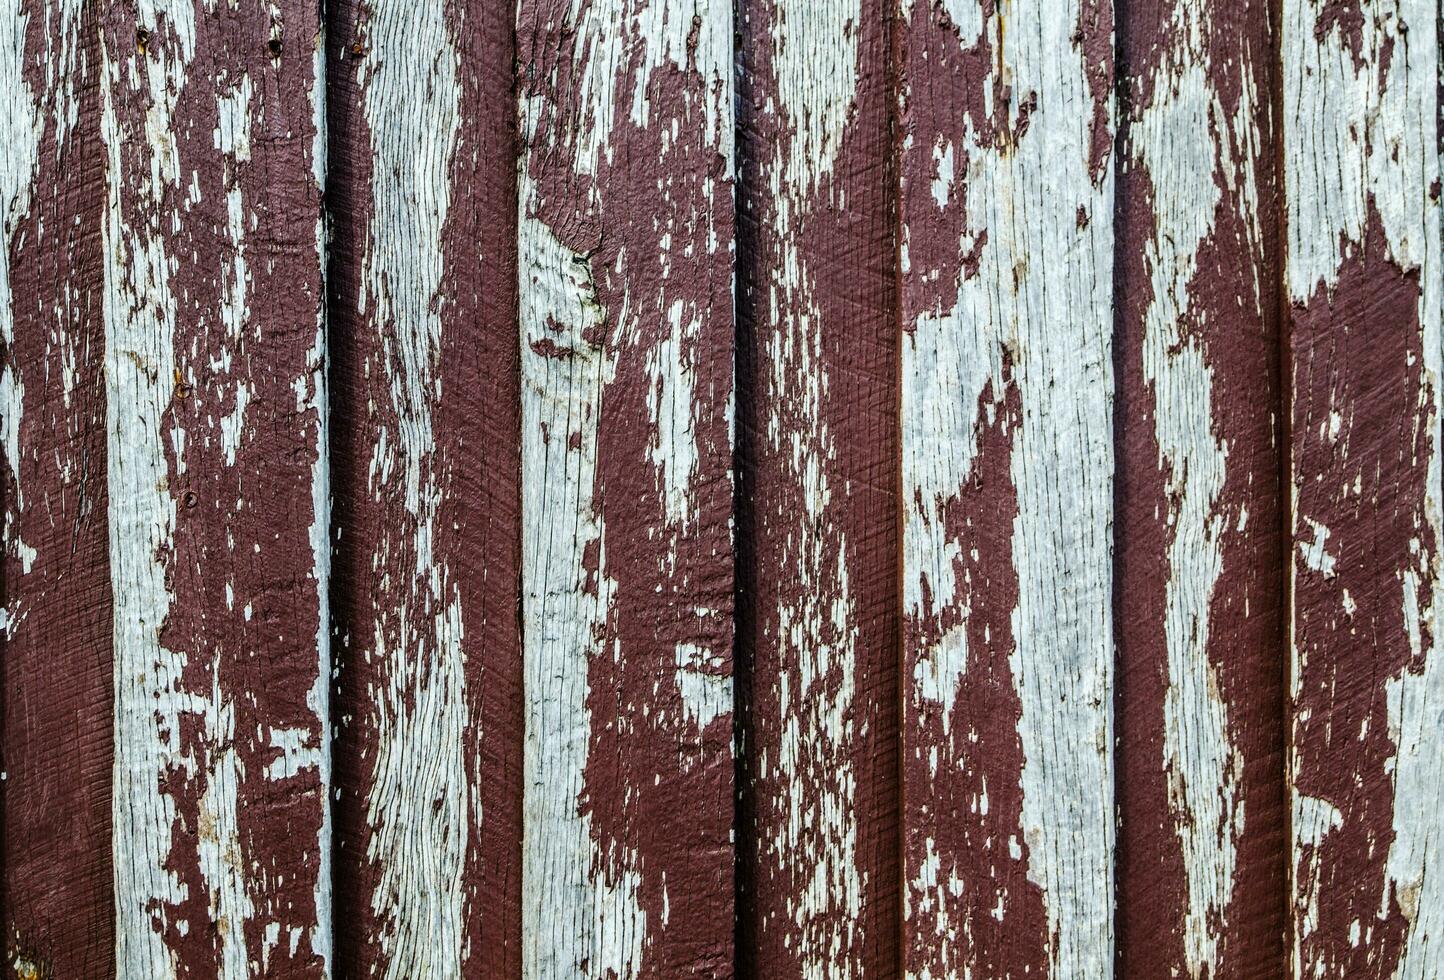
[
  {"x": 814, "y": 60},
  {"x": 1313, "y": 819},
  {"x": 298, "y": 750},
  {"x": 218, "y": 839},
  {"x": 1414, "y": 867},
  {"x": 418, "y": 800},
  {"x": 939, "y": 671},
  {"x": 1333, "y": 111},
  {"x": 580, "y": 911},
  {"x": 671, "y": 402},
  {"x": 943, "y": 180},
  {"x": 706, "y": 694},
  {"x": 1315, "y": 553}
]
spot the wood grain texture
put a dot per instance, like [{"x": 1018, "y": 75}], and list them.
[
  {"x": 55, "y": 587},
  {"x": 426, "y": 443},
  {"x": 818, "y": 542},
  {"x": 1202, "y": 888},
  {"x": 1360, "y": 127},
  {"x": 625, "y": 253},
  {"x": 1007, "y": 494},
  {"x": 217, "y": 475}
]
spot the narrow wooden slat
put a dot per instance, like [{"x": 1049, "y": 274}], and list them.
[
  {"x": 55, "y": 597},
  {"x": 1361, "y": 164},
  {"x": 1202, "y": 886},
  {"x": 626, "y": 324},
  {"x": 426, "y": 442},
  {"x": 217, "y": 477},
  {"x": 1007, "y": 466},
  {"x": 817, "y": 521}
]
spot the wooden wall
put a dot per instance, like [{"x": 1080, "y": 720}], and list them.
[{"x": 690, "y": 488}]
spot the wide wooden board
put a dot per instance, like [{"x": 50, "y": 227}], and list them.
[
  {"x": 1006, "y": 133},
  {"x": 1201, "y": 548},
  {"x": 55, "y": 598},
  {"x": 426, "y": 438},
  {"x": 625, "y": 270},
  {"x": 1361, "y": 169},
  {"x": 218, "y": 498}
]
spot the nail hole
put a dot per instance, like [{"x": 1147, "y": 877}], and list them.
[
  {"x": 190, "y": 499},
  {"x": 274, "y": 45}
]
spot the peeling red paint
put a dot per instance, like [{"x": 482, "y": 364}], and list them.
[
  {"x": 240, "y": 568},
  {"x": 963, "y": 804},
  {"x": 969, "y": 900}
]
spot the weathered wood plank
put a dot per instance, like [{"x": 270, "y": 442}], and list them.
[
  {"x": 426, "y": 465},
  {"x": 217, "y": 477},
  {"x": 817, "y": 381},
  {"x": 1360, "y": 100},
  {"x": 1203, "y": 818},
  {"x": 1007, "y": 464},
  {"x": 55, "y": 586},
  {"x": 626, "y": 325}
]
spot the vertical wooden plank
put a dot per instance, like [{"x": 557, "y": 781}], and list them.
[
  {"x": 426, "y": 441},
  {"x": 1200, "y": 550},
  {"x": 218, "y": 498},
  {"x": 626, "y": 325},
  {"x": 1360, "y": 97},
  {"x": 1007, "y": 466},
  {"x": 55, "y": 586},
  {"x": 818, "y": 620}
]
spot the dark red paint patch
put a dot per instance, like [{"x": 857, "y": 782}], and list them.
[{"x": 1361, "y": 462}]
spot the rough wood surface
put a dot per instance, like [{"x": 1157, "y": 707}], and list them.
[
  {"x": 1007, "y": 464},
  {"x": 217, "y": 477},
  {"x": 1201, "y": 724},
  {"x": 55, "y": 587},
  {"x": 625, "y": 254},
  {"x": 427, "y": 534},
  {"x": 1360, "y": 127},
  {"x": 817, "y": 377}
]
